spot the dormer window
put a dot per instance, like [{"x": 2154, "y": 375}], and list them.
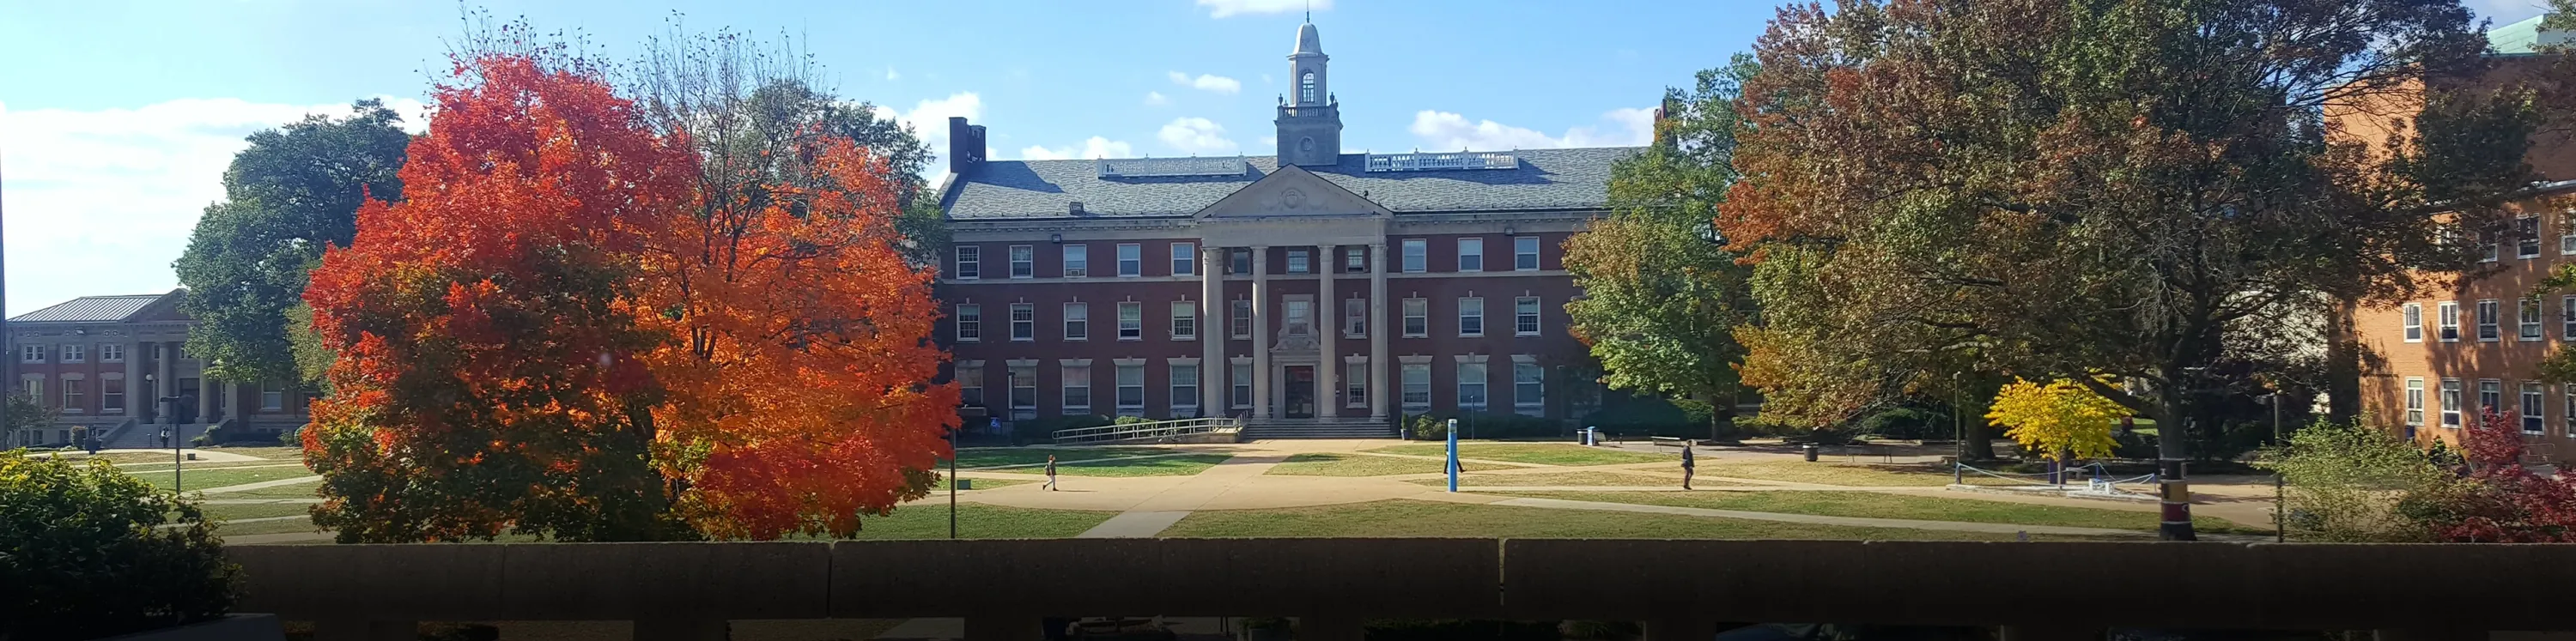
[{"x": 1306, "y": 88}]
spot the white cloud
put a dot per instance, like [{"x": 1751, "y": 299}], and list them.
[
  {"x": 929, "y": 120},
  {"x": 1196, "y": 136},
  {"x": 102, "y": 201},
  {"x": 1156, "y": 99},
  {"x": 1207, "y": 82},
  {"x": 1444, "y": 131},
  {"x": 1096, "y": 147},
  {"x": 891, "y": 74},
  {"x": 1223, "y": 8}
]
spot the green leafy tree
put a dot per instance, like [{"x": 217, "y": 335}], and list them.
[
  {"x": 292, "y": 193},
  {"x": 2350, "y": 483},
  {"x": 2137, "y": 188},
  {"x": 1662, "y": 297},
  {"x": 27, "y": 414},
  {"x": 88, "y": 552}
]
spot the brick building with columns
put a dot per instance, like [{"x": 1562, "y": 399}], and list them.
[
  {"x": 1312, "y": 292},
  {"x": 117, "y": 366}
]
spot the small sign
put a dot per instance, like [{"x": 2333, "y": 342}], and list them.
[{"x": 965, "y": 484}]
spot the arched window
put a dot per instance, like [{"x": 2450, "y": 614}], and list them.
[{"x": 1306, "y": 88}]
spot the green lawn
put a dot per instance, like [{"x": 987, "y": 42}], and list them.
[
  {"x": 120, "y": 458},
  {"x": 974, "y": 521},
  {"x": 294, "y": 491},
  {"x": 1334, "y": 464},
  {"x": 230, "y": 512},
  {"x": 1408, "y": 518},
  {"x": 203, "y": 479},
  {"x": 1538, "y": 453},
  {"x": 1897, "y": 506},
  {"x": 268, "y": 527},
  {"x": 992, "y": 456},
  {"x": 272, "y": 452},
  {"x": 1183, "y": 465},
  {"x": 1843, "y": 473},
  {"x": 1580, "y": 478}
]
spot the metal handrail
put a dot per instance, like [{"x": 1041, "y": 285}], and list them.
[{"x": 1155, "y": 429}]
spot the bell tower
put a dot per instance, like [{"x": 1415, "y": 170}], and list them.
[{"x": 1310, "y": 120}]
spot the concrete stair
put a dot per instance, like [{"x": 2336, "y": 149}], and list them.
[
  {"x": 148, "y": 435},
  {"x": 1292, "y": 428}
]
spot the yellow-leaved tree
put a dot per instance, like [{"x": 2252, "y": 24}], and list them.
[{"x": 2056, "y": 419}]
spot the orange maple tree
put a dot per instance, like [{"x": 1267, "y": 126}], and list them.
[{"x": 564, "y": 332}]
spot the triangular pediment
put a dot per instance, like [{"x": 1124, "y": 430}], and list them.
[{"x": 1291, "y": 191}]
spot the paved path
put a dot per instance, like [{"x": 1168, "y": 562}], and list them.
[
  {"x": 262, "y": 485},
  {"x": 1849, "y": 521},
  {"x": 203, "y": 456}
]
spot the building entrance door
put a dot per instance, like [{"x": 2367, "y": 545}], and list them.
[{"x": 1301, "y": 392}]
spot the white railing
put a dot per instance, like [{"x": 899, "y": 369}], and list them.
[
  {"x": 1152, "y": 430},
  {"x": 1442, "y": 161}
]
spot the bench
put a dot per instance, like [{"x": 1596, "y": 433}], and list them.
[{"x": 1668, "y": 441}]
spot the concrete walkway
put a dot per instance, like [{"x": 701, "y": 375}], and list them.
[
  {"x": 262, "y": 485},
  {"x": 203, "y": 456},
  {"x": 1848, "y": 521}
]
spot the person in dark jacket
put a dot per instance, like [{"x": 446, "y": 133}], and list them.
[
  {"x": 1690, "y": 464},
  {"x": 1050, "y": 472}
]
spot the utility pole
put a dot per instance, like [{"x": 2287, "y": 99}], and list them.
[{"x": 952, "y": 483}]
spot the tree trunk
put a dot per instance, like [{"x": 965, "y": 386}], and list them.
[
  {"x": 2173, "y": 434},
  {"x": 2343, "y": 365}
]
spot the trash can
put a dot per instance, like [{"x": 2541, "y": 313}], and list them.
[{"x": 1811, "y": 451}]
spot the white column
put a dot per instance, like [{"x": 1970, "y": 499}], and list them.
[
  {"x": 1261, "y": 331},
  {"x": 137, "y": 397},
  {"x": 1328, "y": 314},
  {"x": 166, "y": 359},
  {"x": 1381, "y": 368},
  {"x": 1214, "y": 330},
  {"x": 205, "y": 395}
]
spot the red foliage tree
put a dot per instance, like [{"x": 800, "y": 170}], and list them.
[{"x": 2505, "y": 502}]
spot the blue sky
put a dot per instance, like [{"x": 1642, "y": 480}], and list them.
[{"x": 116, "y": 117}]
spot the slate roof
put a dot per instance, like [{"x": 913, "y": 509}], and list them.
[
  {"x": 92, "y": 309},
  {"x": 1032, "y": 189}
]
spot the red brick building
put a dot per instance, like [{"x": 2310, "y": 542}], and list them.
[
  {"x": 117, "y": 366},
  {"x": 1313, "y": 292},
  {"x": 2439, "y": 360}
]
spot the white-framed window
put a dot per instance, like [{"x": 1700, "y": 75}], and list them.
[
  {"x": 1525, "y": 253},
  {"x": 970, "y": 385},
  {"x": 1417, "y": 317},
  {"x": 970, "y": 323},
  {"x": 1024, "y": 261},
  {"x": 2535, "y": 409},
  {"x": 970, "y": 262},
  {"x": 1354, "y": 260},
  {"x": 2567, "y": 232},
  {"x": 1131, "y": 321},
  {"x": 1185, "y": 320},
  {"x": 272, "y": 396},
  {"x": 1238, "y": 318},
  {"x": 1300, "y": 262},
  {"x": 1415, "y": 379},
  {"x": 1471, "y": 387},
  {"x": 1355, "y": 317},
  {"x": 2412, "y": 318},
  {"x": 111, "y": 353},
  {"x": 1185, "y": 259},
  {"x": 1239, "y": 380},
  {"x": 75, "y": 353},
  {"x": 1306, "y": 88},
  {"x": 1131, "y": 259},
  {"x": 1471, "y": 254},
  {"x": 1417, "y": 255},
  {"x": 2567, "y": 317},
  {"x": 1300, "y": 316},
  {"x": 2415, "y": 401},
  {"x": 1238, "y": 261},
  {"x": 1355, "y": 384},
  {"x": 2528, "y": 329},
  {"x": 2490, "y": 239},
  {"x": 111, "y": 393},
  {"x": 1131, "y": 390},
  {"x": 1525, "y": 316},
  {"x": 1024, "y": 322},
  {"x": 1077, "y": 390},
  {"x": 31, "y": 354},
  {"x": 2446, "y": 317},
  {"x": 72, "y": 395},
  {"x": 1529, "y": 389},
  {"x": 1024, "y": 392},
  {"x": 1471, "y": 316},
  {"x": 1077, "y": 261},
  {"x": 2526, "y": 237},
  {"x": 1077, "y": 321},
  {"x": 1185, "y": 390},
  {"x": 2451, "y": 403},
  {"x": 2490, "y": 396},
  {"x": 2490, "y": 326},
  {"x": 34, "y": 388}
]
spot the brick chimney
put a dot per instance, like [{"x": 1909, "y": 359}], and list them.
[{"x": 965, "y": 145}]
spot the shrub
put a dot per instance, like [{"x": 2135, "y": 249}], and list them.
[
  {"x": 1482, "y": 426},
  {"x": 1647, "y": 416},
  {"x": 1906, "y": 423},
  {"x": 1044, "y": 429},
  {"x": 2346, "y": 482},
  {"x": 1130, "y": 420},
  {"x": 83, "y": 554}
]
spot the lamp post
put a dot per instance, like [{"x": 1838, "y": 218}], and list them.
[
  {"x": 952, "y": 483},
  {"x": 177, "y": 460}
]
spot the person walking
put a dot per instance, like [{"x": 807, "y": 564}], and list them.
[
  {"x": 1050, "y": 471},
  {"x": 1690, "y": 464}
]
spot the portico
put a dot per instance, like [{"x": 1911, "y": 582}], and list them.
[{"x": 1298, "y": 355}]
